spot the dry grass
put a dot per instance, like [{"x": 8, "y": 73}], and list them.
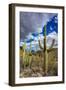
[{"x": 34, "y": 64}]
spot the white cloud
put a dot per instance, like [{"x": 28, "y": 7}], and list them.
[
  {"x": 29, "y": 36},
  {"x": 35, "y": 44}
]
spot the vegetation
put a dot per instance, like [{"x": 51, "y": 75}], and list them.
[
  {"x": 34, "y": 64},
  {"x": 40, "y": 63}
]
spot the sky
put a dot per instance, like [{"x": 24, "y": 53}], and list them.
[
  {"x": 31, "y": 22},
  {"x": 32, "y": 29}
]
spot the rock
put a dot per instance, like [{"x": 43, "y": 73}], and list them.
[
  {"x": 40, "y": 69},
  {"x": 39, "y": 74},
  {"x": 34, "y": 75},
  {"x": 26, "y": 73},
  {"x": 35, "y": 69}
]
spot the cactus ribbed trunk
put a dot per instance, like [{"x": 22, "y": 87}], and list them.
[
  {"x": 45, "y": 62},
  {"x": 45, "y": 66}
]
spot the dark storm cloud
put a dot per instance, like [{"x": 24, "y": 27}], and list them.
[{"x": 30, "y": 22}]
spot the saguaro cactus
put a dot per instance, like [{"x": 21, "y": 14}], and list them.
[
  {"x": 24, "y": 53},
  {"x": 45, "y": 50},
  {"x": 27, "y": 56},
  {"x": 45, "y": 64},
  {"x": 24, "y": 47},
  {"x": 45, "y": 53}
]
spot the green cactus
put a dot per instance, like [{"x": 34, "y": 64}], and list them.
[
  {"x": 45, "y": 65},
  {"x": 30, "y": 56},
  {"x": 27, "y": 57},
  {"x": 24, "y": 46},
  {"x": 26, "y": 60},
  {"x": 24, "y": 53},
  {"x": 45, "y": 50},
  {"x": 30, "y": 47}
]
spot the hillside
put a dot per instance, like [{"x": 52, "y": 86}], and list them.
[{"x": 32, "y": 66}]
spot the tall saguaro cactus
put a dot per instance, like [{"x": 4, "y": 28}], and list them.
[
  {"x": 45, "y": 53},
  {"x": 45, "y": 64}
]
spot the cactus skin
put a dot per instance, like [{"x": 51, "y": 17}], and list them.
[
  {"x": 26, "y": 57},
  {"x": 24, "y": 53},
  {"x": 45, "y": 54},
  {"x": 45, "y": 64}
]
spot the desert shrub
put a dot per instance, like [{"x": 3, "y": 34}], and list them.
[{"x": 52, "y": 63}]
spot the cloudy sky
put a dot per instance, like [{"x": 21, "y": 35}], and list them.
[{"x": 30, "y": 22}]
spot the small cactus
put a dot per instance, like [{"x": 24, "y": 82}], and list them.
[
  {"x": 24, "y": 53},
  {"x": 27, "y": 57}
]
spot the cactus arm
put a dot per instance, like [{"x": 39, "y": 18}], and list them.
[
  {"x": 40, "y": 45},
  {"x": 53, "y": 41}
]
